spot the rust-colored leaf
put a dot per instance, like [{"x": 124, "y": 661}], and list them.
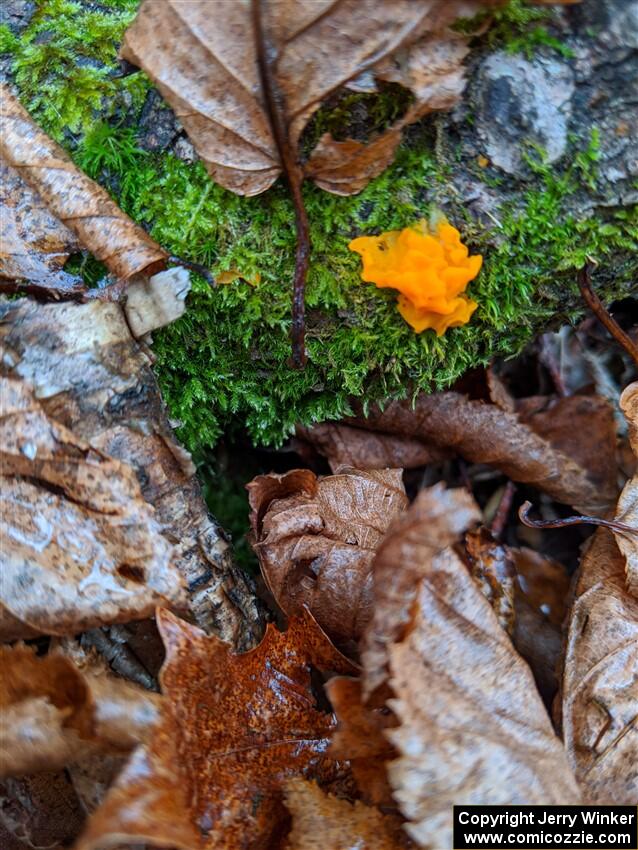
[
  {"x": 39, "y": 811},
  {"x": 206, "y": 67},
  {"x": 54, "y": 711},
  {"x": 75, "y": 526},
  {"x": 345, "y": 445},
  {"x": 484, "y": 433},
  {"x": 316, "y": 538},
  {"x": 73, "y": 198},
  {"x": 471, "y": 724},
  {"x": 321, "y": 821},
  {"x": 359, "y": 738},
  {"x": 234, "y": 729},
  {"x": 436, "y": 520}
]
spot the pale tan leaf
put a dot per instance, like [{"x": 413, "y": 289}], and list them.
[
  {"x": 627, "y": 508},
  {"x": 206, "y": 67},
  {"x": 471, "y": 724},
  {"x": 73, "y": 198},
  {"x": 600, "y": 678},
  {"x": 321, "y": 821},
  {"x": 316, "y": 538},
  {"x": 437, "y": 519}
]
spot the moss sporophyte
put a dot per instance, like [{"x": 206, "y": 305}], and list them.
[{"x": 224, "y": 364}]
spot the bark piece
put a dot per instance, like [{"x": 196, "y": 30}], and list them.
[
  {"x": 34, "y": 245},
  {"x": 73, "y": 198},
  {"x": 471, "y": 725},
  {"x": 316, "y": 538},
  {"x": 600, "y": 678},
  {"x": 483, "y": 433},
  {"x": 234, "y": 728},
  {"x": 436, "y": 520},
  {"x": 329, "y": 45},
  {"x": 322, "y": 820},
  {"x": 74, "y": 526},
  {"x": 54, "y": 712},
  {"x": 91, "y": 376},
  {"x": 345, "y": 445}
]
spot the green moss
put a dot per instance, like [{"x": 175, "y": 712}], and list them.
[
  {"x": 9, "y": 43},
  {"x": 225, "y": 363},
  {"x": 64, "y": 64}
]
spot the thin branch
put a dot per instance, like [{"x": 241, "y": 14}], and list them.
[
  {"x": 195, "y": 267},
  {"x": 523, "y": 513},
  {"x": 598, "y": 309},
  {"x": 275, "y": 107}
]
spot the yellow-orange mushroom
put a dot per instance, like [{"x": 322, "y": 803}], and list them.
[{"x": 429, "y": 266}]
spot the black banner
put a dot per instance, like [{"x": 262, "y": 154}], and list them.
[{"x": 552, "y": 827}]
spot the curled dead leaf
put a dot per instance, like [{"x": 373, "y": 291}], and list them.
[
  {"x": 316, "y": 538},
  {"x": 74, "y": 524},
  {"x": 627, "y": 507},
  {"x": 73, "y": 198},
  {"x": 234, "y": 728}
]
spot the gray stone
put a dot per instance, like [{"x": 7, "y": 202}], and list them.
[
  {"x": 523, "y": 102},
  {"x": 16, "y": 14}
]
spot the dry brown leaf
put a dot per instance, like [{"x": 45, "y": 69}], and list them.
[
  {"x": 234, "y": 729},
  {"x": 321, "y": 821},
  {"x": 471, "y": 724},
  {"x": 73, "y": 198},
  {"x": 627, "y": 508},
  {"x": 483, "y": 433},
  {"x": 437, "y": 519},
  {"x": 34, "y": 245},
  {"x": 600, "y": 678},
  {"x": 75, "y": 526},
  {"x": 316, "y": 538},
  {"x": 54, "y": 711},
  {"x": 345, "y": 445},
  {"x": 206, "y": 67},
  {"x": 492, "y": 567},
  {"x": 90, "y": 375},
  {"x": 582, "y": 427},
  {"x": 359, "y": 738}
]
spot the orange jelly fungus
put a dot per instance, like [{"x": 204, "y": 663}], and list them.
[{"x": 430, "y": 267}]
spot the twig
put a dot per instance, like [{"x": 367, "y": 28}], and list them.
[
  {"x": 598, "y": 309},
  {"x": 499, "y": 520},
  {"x": 275, "y": 107},
  {"x": 524, "y": 509},
  {"x": 195, "y": 267}
]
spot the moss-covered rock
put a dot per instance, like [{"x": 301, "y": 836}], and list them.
[{"x": 226, "y": 361}]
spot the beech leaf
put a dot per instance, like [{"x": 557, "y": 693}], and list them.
[
  {"x": 316, "y": 538},
  {"x": 207, "y": 68},
  {"x": 234, "y": 728},
  {"x": 627, "y": 508},
  {"x": 68, "y": 195}
]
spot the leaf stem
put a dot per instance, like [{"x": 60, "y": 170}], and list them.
[
  {"x": 276, "y": 110},
  {"x": 598, "y": 309},
  {"x": 523, "y": 514}
]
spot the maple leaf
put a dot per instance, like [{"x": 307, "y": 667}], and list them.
[
  {"x": 233, "y": 729},
  {"x": 66, "y": 209},
  {"x": 316, "y": 538}
]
